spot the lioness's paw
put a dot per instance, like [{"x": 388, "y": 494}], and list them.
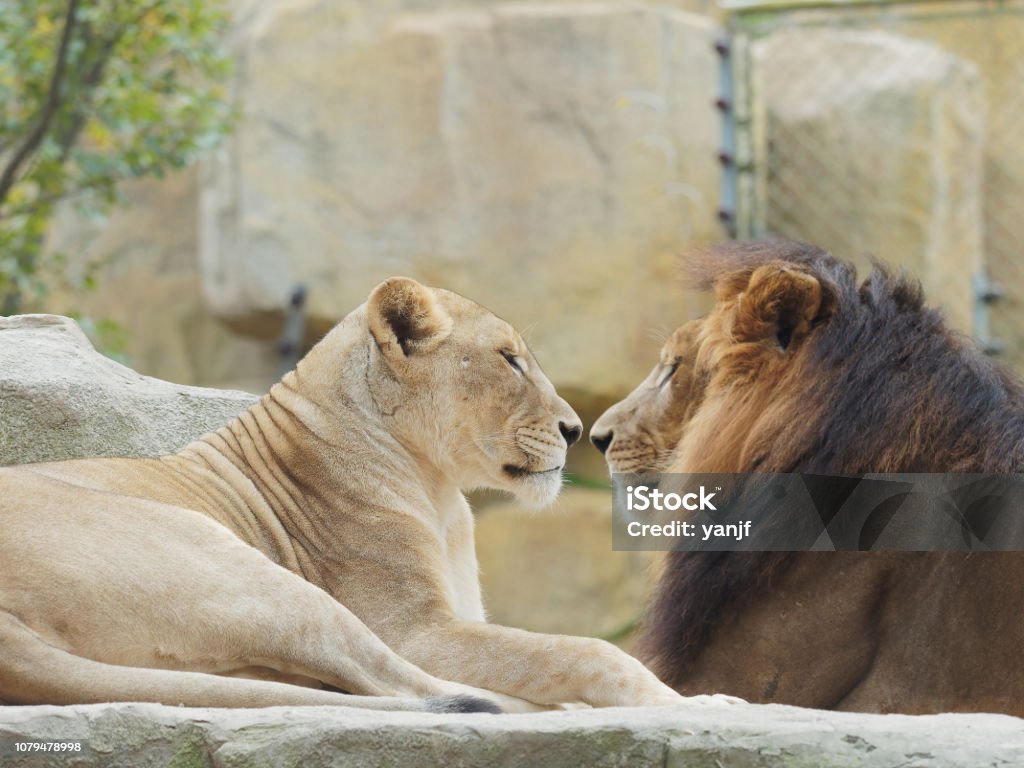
[
  {"x": 664, "y": 701},
  {"x": 452, "y": 704},
  {"x": 661, "y": 695}
]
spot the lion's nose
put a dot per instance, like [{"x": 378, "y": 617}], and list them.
[
  {"x": 601, "y": 442},
  {"x": 571, "y": 433}
]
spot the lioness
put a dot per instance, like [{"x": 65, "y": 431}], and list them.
[
  {"x": 319, "y": 539},
  {"x": 801, "y": 367}
]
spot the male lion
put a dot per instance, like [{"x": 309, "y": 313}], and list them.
[
  {"x": 801, "y": 369},
  {"x": 320, "y": 539}
]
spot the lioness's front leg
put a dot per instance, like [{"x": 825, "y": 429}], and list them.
[
  {"x": 423, "y": 623},
  {"x": 547, "y": 669}
]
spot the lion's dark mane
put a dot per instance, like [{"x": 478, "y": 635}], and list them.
[{"x": 894, "y": 390}]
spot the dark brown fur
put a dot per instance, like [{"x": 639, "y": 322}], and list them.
[{"x": 873, "y": 381}]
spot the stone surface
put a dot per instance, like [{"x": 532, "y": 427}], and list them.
[
  {"x": 554, "y": 570},
  {"x": 874, "y": 147},
  {"x": 60, "y": 399},
  {"x": 550, "y": 161},
  {"x": 690, "y": 735}
]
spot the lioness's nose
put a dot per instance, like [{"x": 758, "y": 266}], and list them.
[
  {"x": 571, "y": 433},
  {"x": 601, "y": 442}
]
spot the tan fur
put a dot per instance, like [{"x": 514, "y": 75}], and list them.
[{"x": 320, "y": 538}]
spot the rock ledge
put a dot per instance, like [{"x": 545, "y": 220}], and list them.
[{"x": 691, "y": 735}]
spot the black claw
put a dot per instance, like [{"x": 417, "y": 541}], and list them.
[{"x": 450, "y": 704}]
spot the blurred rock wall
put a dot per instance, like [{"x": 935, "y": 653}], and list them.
[
  {"x": 994, "y": 46},
  {"x": 151, "y": 288},
  {"x": 549, "y": 161},
  {"x": 873, "y": 146},
  {"x": 894, "y": 131}
]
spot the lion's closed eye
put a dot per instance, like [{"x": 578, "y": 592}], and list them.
[
  {"x": 513, "y": 361},
  {"x": 670, "y": 373}
]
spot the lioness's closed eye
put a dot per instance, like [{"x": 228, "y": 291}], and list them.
[{"x": 321, "y": 538}]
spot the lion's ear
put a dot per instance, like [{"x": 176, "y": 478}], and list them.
[
  {"x": 778, "y": 302},
  {"x": 405, "y": 317}
]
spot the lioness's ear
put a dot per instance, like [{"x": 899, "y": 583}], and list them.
[
  {"x": 405, "y": 318},
  {"x": 779, "y": 302}
]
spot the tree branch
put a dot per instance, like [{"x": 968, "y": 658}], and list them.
[
  {"x": 88, "y": 83},
  {"x": 50, "y": 109},
  {"x": 41, "y": 201}
]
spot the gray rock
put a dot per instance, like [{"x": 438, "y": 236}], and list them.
[
  {"x": 61, "y": 399},
  {"x": 691, "y": 735}
]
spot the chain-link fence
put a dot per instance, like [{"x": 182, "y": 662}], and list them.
[{"x": 891, "y": 130}]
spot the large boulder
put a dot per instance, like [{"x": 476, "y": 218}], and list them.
[
  {"x": 548, "y": 160},
  {"x": 872, "y": 146},
  {"x": 691, "y": 735},
  {"x": 60, "y": 399}
]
